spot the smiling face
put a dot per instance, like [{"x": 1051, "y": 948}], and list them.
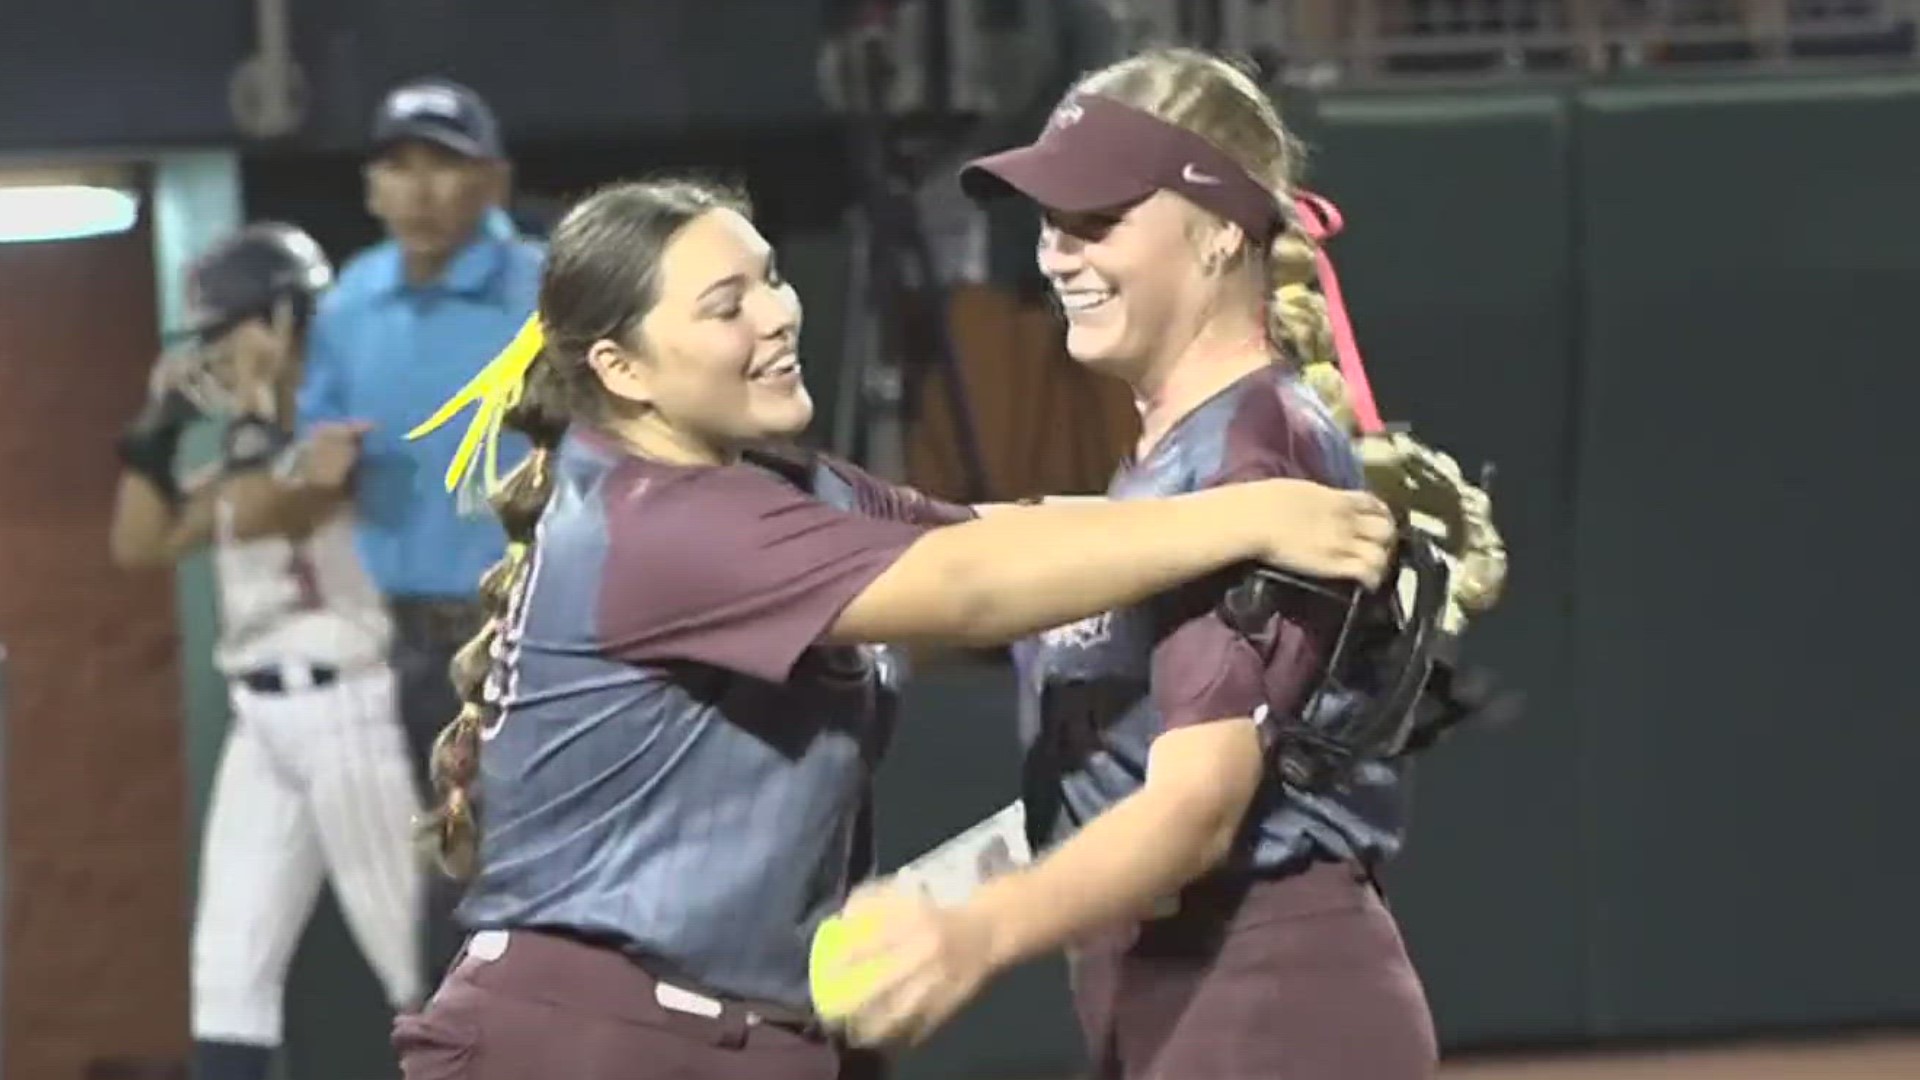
[
  {"x": 714, "y": 365},
  {"x": 1130, "y": 282}
]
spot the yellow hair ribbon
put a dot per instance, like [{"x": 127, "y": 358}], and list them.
[{"x": 496, "y": 388}]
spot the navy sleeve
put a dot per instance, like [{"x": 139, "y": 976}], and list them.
[
  {"x": 1204, "y": 670},
  {"x": 731, "y": 567}
]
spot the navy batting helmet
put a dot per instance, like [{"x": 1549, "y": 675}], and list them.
[{"x": 249, "y": 273}]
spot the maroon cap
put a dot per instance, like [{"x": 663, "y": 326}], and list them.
[{"x": 1096, "y": 154}]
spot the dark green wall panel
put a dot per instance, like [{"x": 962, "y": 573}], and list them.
[
  {"x": 1753, "y": 267},
  {"x": 1457, "y": 265}
]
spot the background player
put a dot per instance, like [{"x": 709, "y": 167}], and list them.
[{"x": 313, "y": 782}]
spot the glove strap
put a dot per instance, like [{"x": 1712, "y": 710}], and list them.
[{"x": 252, "y": 442}]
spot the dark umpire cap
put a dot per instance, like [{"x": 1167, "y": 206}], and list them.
[
  {"x": 247, "y": 273},
  {"x": 441, "y": 112}
]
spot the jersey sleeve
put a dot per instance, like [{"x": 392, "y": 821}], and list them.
[
  {"x": 1203, "y": 669},
  {"x": 892, "y": 502},
  {"x": 732, "y": 567}
]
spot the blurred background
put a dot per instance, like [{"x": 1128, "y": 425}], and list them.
[{"x": 1657, "y": 259}]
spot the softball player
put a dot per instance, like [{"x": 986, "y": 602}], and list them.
[
  {"x": 657, "y": 783},
  {"x": 1220, "y": 922},
  {"x": 313, "y": 782}
]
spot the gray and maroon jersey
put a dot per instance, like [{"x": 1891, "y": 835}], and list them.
[
  {"x": 1096, "y": 693},
  {"x": 679, "y": 766}
]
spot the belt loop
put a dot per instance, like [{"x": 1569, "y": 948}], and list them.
[{"x": 730, "y": 1030}]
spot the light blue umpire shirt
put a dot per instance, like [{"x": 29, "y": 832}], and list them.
[{"x": 389, "y": 352}]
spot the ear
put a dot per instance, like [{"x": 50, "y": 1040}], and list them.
[
  {"x": 1227, "y": 245},
  {"x": 502, "y": 182},
  {"x": 369, "y": 190},
  {"x": 496, "y": 181},
  {"x": 621, "y": 370}
]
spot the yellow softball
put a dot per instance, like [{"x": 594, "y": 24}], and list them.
[{"x": 837, "y": 988}]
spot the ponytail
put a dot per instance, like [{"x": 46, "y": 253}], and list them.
[
  {"x": 1299, "y": 325},
  {"x": 452, "y": 828}
]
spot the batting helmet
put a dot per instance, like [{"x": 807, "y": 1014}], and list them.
[{"x": 250, "y": 273}]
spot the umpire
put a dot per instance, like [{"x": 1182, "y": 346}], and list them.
[{"x": 409, "y": 322}]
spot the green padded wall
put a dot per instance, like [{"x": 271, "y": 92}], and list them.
[
  {"x": 1752, "y": 268},
  {"x": 1458, "y": 262}
]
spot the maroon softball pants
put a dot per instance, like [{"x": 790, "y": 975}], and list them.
[{"x": 1303, "y": 977}]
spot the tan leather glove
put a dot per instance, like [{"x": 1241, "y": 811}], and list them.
[{"x": 1427, "y": 486}]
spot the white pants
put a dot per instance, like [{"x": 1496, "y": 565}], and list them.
[{"x": 312, "y": 785}]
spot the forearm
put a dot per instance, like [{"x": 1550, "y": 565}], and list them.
[
  {"x": 1141, "y": 851},
  {"x": 263, "y": 504},
  {"x": 1007, "y": 575}
]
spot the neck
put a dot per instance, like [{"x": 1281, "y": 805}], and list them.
[
  {"x": 426, "y": 268},
  {"x": 650, "y": 437},
  {"x": 1225, "y": 350}
]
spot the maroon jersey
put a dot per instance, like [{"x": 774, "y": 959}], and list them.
[
  {"x": 679, "y": 763},
  {"x": 1096, "y": 693}
]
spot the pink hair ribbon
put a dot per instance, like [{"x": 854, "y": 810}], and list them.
[{"x": 1322, "y": 221}]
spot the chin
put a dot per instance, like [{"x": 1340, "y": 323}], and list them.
[
  {"x": 786, "y": 419},
  {"x": 1101, "y": 354}
]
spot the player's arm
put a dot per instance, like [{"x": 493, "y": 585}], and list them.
[
  {"x": 735, "y": 569},
  {"x": 1203, "y": 772},
  {"x": 153, "y": 527},
  {"x": 311, "y": 480},
  {"x": 1209, "y": 684},
  {"x": 276, "y": 488},
  {"x": 156, "y": 519}
]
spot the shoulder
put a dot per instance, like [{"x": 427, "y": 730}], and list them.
[
  {"x": 1278, "y": 428},
  {"x": 653, "y": 504},
  {"x": 360, "y": 281}
]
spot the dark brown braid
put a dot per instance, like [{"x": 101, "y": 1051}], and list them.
[{"x": 598, "y": 283}]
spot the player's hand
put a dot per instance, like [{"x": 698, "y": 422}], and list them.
[
  {"x": 330, "y": 452},
  {"x": 182, "y": 388},
  {"x": 1323, "y": 532},
  {"x": 933, "y": 959}
]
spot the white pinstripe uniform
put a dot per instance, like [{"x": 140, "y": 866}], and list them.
[{"x": 313, "y": 784}]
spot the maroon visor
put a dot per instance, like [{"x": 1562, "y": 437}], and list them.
[{"x": 1097, "y": 154}]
